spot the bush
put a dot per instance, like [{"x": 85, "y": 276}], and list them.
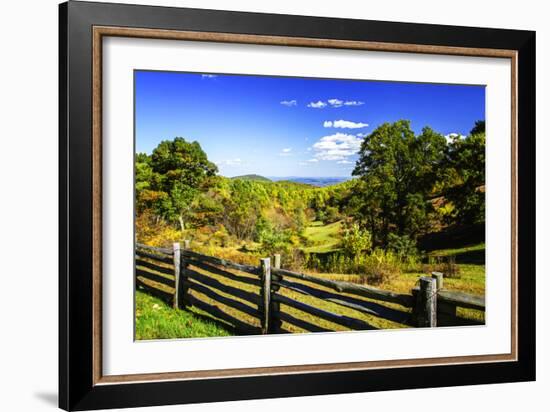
[
  {"x": 355, "y": 240},
  {"x": 262, "y": 226},
  {"x": 153, "y": 231},
  {"x": 406, "y": 251},
  {"x": 221, "y": 237},
  {"x": 295, "y": 259},
  {"x": 332, "y": 214},
  {"x": 277, "y": 242},
  {"x": 402, "y": 246},
  {"x": 312, "y": 261},
  {"x": 381, "y": 267}
]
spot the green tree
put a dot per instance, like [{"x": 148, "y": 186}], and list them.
[
  {"x": 466, "y": 166},
  {"x": 184, "y": 171},
  {"x": 398, "y": 170},
  {"x": 479, "y": 127}
]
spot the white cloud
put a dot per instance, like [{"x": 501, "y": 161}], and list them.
[
  {"x": 344, "y": 162},
  {"x": 287, "y": 151},
  {"x": 289, "y": 103},
  {"x": 362, "y": 134},
  {"x": 452, "y": 136},
  {"x": 230, "y": 162},
  {"x": 209, "y": 76},
  {"x": 353, "y": 103},
  {"x": 337, "y": 146},
  {"x": 344, "y": 124},
  {"x": 336, "y": 102},
  {"x": 317, "y": 105},
  {"x": 314, "y": 160}
]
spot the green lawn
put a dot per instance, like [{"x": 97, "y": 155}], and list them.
[
  {"x": 156, "y": 320},
  {"x": 323, "y": 238}
]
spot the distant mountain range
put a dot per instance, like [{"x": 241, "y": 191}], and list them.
[
  {"x": 312, "y": 181},
  {"x": 252, "y": 177}
]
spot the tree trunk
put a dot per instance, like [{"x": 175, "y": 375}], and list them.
[{"x": 182, "y": 224}]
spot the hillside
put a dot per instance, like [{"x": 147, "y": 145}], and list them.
[{"x": 257, "y": 178}]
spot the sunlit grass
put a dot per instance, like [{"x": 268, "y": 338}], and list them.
[
  {"x": 458, "y": 251},
  {"x": 156, "y": 320},
  {"x": 323, "y": 238}
]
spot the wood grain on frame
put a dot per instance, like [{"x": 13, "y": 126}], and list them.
[
  {"x": 100, "y": 31},
  {"x": 97, "y": 175}
]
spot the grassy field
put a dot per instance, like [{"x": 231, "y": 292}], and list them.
[
  {"x": 323, "y": 238},
  {"x": 156, "y": 320}
]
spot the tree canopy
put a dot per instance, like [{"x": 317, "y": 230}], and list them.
[
  {"x": 406, "y": 185},
  {"x": 398, "y": 171},
  {"x": 172, "y": 177}
]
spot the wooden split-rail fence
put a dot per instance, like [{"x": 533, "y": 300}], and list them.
[{"x": 181, "y": 276}]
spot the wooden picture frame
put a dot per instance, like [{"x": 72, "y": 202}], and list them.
[{"x": 82, "y": 27}]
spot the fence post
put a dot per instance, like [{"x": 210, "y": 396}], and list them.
[
  {"x": 177, "y": 267},
  {"x": 426, "y": 301},
  {"x": 183, "y": 276},
  {"x": 438, "y": 276},
  {"x": 275, "y": 322},
  {"x": 265, "y": 293},
  {"x": 277, "y": 261}
]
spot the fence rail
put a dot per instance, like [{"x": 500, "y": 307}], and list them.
[{"x": 265, "y": 298}]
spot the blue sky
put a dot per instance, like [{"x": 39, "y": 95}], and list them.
[{"x": 285, "y": 126}]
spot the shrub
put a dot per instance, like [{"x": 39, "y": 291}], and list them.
[
  {"x": 262, "y": 226},
  {"x": 338, "y": 263},
  {"x": 221, "y": 237},
  {"x": 381, "y": 267},
  {"x": 406, "y": 251},
  {"x": 355, "y": 240},
  {"x": 295, "y": 259},
  {"x": 276, "y": 241},
  {"x": 331, "y": 214},
  {"x": 402, "y": 246},
  {"x": 312, "y": 261},
  {"x": 320, "y": 215},
  {"x": 153, "y": 231}
]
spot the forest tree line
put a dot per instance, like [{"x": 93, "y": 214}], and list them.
[{"x": 405, "y": 185}]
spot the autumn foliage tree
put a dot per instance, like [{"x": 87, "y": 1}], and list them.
[{"x": 170, "y": 180}]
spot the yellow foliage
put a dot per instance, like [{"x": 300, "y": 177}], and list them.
[{"x": 154, "y": 232}]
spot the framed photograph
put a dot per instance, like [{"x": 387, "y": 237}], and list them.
[{"x": 256, "y": 206}]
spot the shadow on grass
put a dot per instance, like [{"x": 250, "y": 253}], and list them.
[
  {"x": 453, "y": 237},
  {"x": 211, "y": 319},
  {"x": 472, "y": 257}
]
